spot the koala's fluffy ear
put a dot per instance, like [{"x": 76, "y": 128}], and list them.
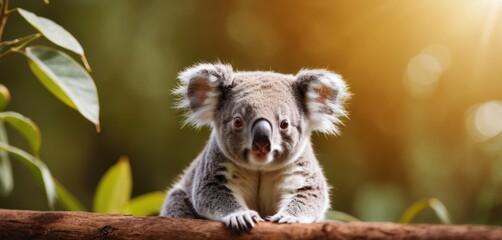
[
  {"x": 200, "y": 89},
  {"x": 324, "y": 94}
]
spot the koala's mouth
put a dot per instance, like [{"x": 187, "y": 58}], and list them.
[{"x": 259, "y": 157}]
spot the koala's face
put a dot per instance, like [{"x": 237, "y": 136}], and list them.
[{"x": 262, "y": 120}]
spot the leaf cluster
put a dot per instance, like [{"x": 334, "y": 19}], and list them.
[
  {"x": 62, "y": 76},
  {"x": 73, "y": 85}
]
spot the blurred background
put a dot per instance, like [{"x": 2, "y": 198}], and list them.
[{"x": 425, "y": 118}]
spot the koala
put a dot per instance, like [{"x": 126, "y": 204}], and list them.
[{"x": 259, "y": 162}]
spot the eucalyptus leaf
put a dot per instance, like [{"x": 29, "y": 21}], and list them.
[
  {"x": 54, "y": 32},
  {"x": 66, "y": 79},
  {"x": 26, "y": 127},
  {"x": 145, "y": 205},
  {"x": 6, "y": 178},
  {"x": 114, "y": 188},
  {"x": 419, "y": 206},
  {"x": 67, "y": 200},
  {"x": 39, "y": 169}
]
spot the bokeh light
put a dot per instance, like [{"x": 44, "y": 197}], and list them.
[
  {"x": 440, "y": 53},
  {"x": 425, "y": 69},
  {"x": 484, "y": 121}
]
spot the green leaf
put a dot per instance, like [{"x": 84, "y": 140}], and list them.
[
  {"x": 145, "y": 205},
  {"x": 114, "y": 188},
  {"x": 54, "y": 33},
  {"x": 67, "y": 200},
  {"x": 67, "y": 80},
  {"x": 26, "y": 127},
  {"x": 17, "y": 43},
  {"x": 6, "y": 178},
  {"x": 30, "y": 131},
  {"x": 39, "y": 169},
  {"x": 341, "y": 216},
  {"x": 417, "y": 207}
]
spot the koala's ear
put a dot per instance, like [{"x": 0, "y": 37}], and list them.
[
  {"x": 323, "y": 94},
  {"x": 200, "y": 89}
]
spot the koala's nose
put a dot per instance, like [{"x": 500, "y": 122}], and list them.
[{"x": 261, "y": 131}]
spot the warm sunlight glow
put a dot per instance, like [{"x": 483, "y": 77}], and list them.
[
  {"x": 440, "y": 53},
  {"x": 425, "y": 69},
  {"x": 488, "y": 12},
  {"x": 485, "y": 121}
]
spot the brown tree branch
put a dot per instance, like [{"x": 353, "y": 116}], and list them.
[
  {"x": 19, "y": 224},
  {"x": 3, "y": 15}
]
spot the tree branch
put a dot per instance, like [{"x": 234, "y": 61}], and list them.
[
  {"x": 19, "y": 224},
  {"x": 3, "y": 16}
]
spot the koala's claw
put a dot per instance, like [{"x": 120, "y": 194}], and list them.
[
  {"x": 242, "y": 220},
  {"x": 282, "y": 218}
]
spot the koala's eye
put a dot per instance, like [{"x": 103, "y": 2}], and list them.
[
  {"x": 284, "y": 124},
  {"x": 238, "y": 122}
]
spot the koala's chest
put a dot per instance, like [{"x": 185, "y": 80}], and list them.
[{"x": 263, "y": 191}]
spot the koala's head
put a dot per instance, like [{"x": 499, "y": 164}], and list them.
[{"x": 262, "y": 120}]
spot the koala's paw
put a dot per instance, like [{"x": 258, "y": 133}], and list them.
[
  {"x": 285, "y": 218},
  {"x": 242, "y": 220}
]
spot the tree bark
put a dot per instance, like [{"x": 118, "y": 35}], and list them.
[{"x": 20, "y": 224}]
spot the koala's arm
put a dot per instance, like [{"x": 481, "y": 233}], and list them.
[
  {"x": 213, "y": 200},
  {"x": 306, "y": 202}
]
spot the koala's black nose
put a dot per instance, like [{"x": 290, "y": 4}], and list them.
[{"x": 261, "y": 131}]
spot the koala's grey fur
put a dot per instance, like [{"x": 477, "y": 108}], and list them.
[{"x": 228, "y": 181}]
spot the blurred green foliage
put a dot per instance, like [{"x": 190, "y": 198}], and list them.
[
  {"x": 63, "y": 77},
  {"x": 408, "y": 136},
  {"x": 113, "y": 194},
  {"x": 419, "y": 206}
]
